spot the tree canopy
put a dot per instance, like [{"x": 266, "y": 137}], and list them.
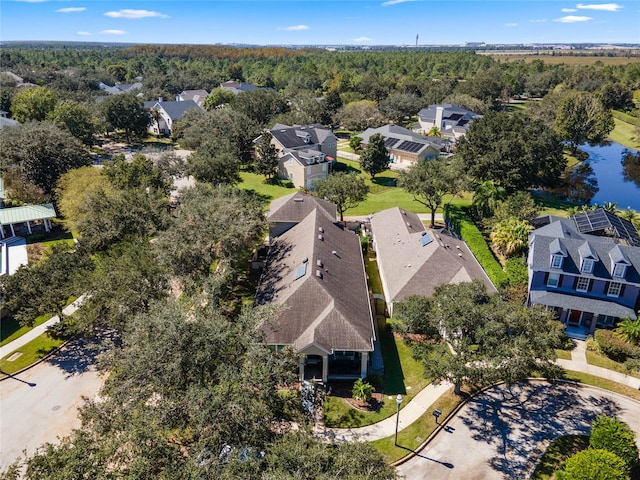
[
  {"x": 346, "y": 190},
  {"x": 125, "y": 112},
  {"x": 514, "y": 151},
  {"x": 429, "y": 181},
  {"x": 33, "y": 104},
  {"x": 492, "y": 339},
  {"x": 375, "y": 157}
]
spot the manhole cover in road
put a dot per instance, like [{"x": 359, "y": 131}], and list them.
[
  {"x": 14, "y": 357},
  {"x": 55, "y": 408}
]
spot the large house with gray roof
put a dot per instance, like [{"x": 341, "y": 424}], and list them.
[
  {"x": 414, "y": 260},
  {"x": 586, "y": 268},
  {"x": 315, "y": 272},
  {"x": 406, "y": 147},
  {"x": 452, "y": 121},
  {"x": 168, "y": 113},
  {"x": 307, "y": 153}
]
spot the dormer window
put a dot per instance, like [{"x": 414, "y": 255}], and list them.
[
  {"x": 556, "y": 261},
  {"x": 619, "y": 269},
  {"x": 587, "y": 265}
]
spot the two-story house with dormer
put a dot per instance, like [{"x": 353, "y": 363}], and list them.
[
  {"x": 307, "y": 153},
  {"x": 586, "y": 268}
]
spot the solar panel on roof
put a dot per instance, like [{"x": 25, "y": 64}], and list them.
[
  {"x": 600, "y": 219},
  {"x": 425, "y": 240},
  {"x": 390, "y": 142},
  {"x": 300, "y": 271},
  {"x": 411, "y": 147}
]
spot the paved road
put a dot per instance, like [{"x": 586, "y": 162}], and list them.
[
  {"x": 40, "y": 404},
  {"x": 496, "y": 436}
]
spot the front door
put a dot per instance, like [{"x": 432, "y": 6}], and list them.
[{"x": 574, "y": 317}]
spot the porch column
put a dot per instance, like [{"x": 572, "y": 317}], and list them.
[
  {"x": 29, "y": 227},
  {"x": 47, "y": 225},
  {"x": 325, "y": 368},
  {"x": 2, "y": 230},
  {"x": 301, "y": 361},
  {"x": 13, "y": 232},
  {"x": 592, "y": 327},
  {"x": 364, "y": 357}
]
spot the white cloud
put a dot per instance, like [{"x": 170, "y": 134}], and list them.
[
  {"x": 71, "y": 9},
  {"x": 542, "y": 20},
  {"x": 362, "y": 39},
  {"x": 83, "y": 33},
  {"x": 513, "y": 24},
  {"x": 607, "y": 7},
  {"x": 296, "y": 28},
  {"x": 395, "y": 2},
  {"x": 129, "y": 13},
  {"x": 573, "y": 19},
  {"x": 32, "y": 1},
  {"x": 113, "y": 32},
  {"x": 568, "y": 10}
]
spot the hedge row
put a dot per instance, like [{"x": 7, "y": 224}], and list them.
[
  {"x": 625, "y": 117},
  {"x": 474, "y": 239}
]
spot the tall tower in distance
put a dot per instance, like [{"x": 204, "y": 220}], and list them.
[{"x": 417, "y": 39}]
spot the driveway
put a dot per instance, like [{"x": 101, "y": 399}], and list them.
[
  {"x": 41, "y": 404},
  {"x": 498, "y": 435}
]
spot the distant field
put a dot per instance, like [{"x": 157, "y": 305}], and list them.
[{"x": 558, "y": 59}]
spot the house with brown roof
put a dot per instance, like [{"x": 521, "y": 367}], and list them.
[
  {"x": 315, "y": 272},
  {"x": 414, "y": 260},
  {"x": 286, "y": 212},
  {"x": 307, "y": 153}
]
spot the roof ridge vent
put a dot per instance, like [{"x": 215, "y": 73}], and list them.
[
  {"x": 319, "y": 273},
  {"x": 298, "y": 199}
]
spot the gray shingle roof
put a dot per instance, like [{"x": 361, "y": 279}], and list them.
[
  {"x": 582, "y": 303},
  {"x": 400, "y": 138},
  {"x": 296, "y": 207},
  {"x": 328, "y": 306},
  {"x": 604, "y": 248},
  {"x": 289, "y": 137},
  {"x": 176, "y": 110},
  {"x": 410, "y": 268}
]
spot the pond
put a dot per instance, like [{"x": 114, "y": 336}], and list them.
[{"x": 610, "y": 174}]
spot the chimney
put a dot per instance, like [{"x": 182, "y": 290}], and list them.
[
  {"x": 160, "y": 99},
  {"x": 439, "y": 115}
]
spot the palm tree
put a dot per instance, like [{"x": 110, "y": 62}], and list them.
[
  {"x": 155, "y": 114},
  {"x": 511, "y": 236},
  {"x": 610, "y": 207},
  {"x": 486, "y": 197},
  {"x": 434, "y": 132},
  {"x": 629, "y": 330},
  {"x": 362, "y": 391}
]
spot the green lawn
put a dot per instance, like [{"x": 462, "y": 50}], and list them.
[
  {"x": 31, "y": 353},
  {"x": 563, "y": 354},
  {"x": 58, "y": 235},
  {"x": 269, "y": 191},
  {"x": 599, "y": 360},
  {"x": 602, "y": 383},
  {"x": 625, "y": 134},
  {"x": 556, "y": 454},
  {"x": 11, "y": 328}
]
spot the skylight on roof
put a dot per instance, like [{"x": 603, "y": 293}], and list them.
[
  {"x": 426, "y": 240},
  {"x": 301, "y": 270}
]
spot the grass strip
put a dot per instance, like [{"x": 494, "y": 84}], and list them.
[
  {"x": 599, "y": 360},
  {"x": 33, "y": 351}
]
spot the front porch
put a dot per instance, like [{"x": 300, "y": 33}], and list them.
[
  {"x": 580, "y": 324},
  {"x": 333, "y": 366}
]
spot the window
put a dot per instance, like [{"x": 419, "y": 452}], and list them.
[
  {"x": 324, "y": 167},
  {"x": 614, "y": 289},
  {"x": 553, "y": 280},
  {"x": 308, "y": 170},
  {"x": 605, "y": 321},
  {"x": 556, "y": 261},
  {"x": 582, "y": 284},
  {"x": 587, "y": 265},
  {"x": 291, "y": 162},
  {"x": 619, "y": 270}
]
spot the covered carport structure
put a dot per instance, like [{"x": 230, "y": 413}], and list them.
[{"x": 27, "y": 215}]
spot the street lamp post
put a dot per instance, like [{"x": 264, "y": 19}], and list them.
[{"x": 398, "y": 402}]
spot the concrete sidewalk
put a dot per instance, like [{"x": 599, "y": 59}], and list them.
[
  {"x": 413, "y": 410},
  {"x": 40, "y": 329}
]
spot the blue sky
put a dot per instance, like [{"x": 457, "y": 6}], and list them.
[{"x": 302, "y": 22}]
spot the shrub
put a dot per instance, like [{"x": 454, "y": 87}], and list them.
[
  {"x": 593, "y": 464},
  {"x": 592, "y": 345},
  {"x": 615, "y": 436},
  {"x": 632, "y": 365},
  {"x": 614, "y": 347},
  {"x": 362, "y": 390}
]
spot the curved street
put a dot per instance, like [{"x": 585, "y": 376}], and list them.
[
  {"x": 41, "y": 404},
  {"x": 502, "y": 435}
]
